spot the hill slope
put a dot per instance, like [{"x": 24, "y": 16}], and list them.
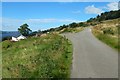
[
  {"x": 108, "y": 31},
  {"x": 42, "y": 57}
]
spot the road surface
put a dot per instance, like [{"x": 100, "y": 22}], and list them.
[{"x": 91, "y": 57}]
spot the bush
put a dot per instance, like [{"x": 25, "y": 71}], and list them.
[
  {"x": 118, "y": 29},
  {"x": 7, "y": 45},
  {"x": 33, "y": 33},
  {"x": 108, "y": 31}
]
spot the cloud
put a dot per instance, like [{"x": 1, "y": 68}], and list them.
[
  {"x": 10, "y": 24},
  {"x": 40, "y": 20},
  {"x": 9, "y": 27},
  {"x": 13, "y": 24},
  {"x": 112, "y": 6},
  {"x": 50, "y": 20},
  {"x": 10, "y": 21},
  {"x": 93, "y": 10}
]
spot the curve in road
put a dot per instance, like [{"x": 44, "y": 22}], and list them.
[{"x": 91, "y": 57}]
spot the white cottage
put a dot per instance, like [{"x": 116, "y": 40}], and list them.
[
  {"x": 18, "y": 38},
  {"x": 21, "y": 37},
  {"x": 14, "y": 39}
]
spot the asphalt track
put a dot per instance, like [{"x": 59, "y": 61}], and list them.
[{"x": 91, "y": 57}]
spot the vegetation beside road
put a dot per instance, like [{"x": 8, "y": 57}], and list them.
[
  {"x": 72, "y": 30},
  {"x": 72, "y": 27},
  {"x": 48, "y": 56},
  {"x": 108, "y": 32}
]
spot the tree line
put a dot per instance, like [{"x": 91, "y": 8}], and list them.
[{"x": 106, "y": 16}]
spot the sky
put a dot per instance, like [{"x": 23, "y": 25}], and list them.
[
  {"x": 45, "y": 15},
  {"x": 59, "y": 0}
]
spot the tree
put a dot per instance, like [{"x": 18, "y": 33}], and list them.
[
  {"x": 91, "y": 19},
  {"x": 39, "y": 31},
  {"x": 98, "y": 16},
  {"x": 24, "y": 30},
  {"x": 119, "y": 5},
  {"x": 81, "y": 24},
  {"x": 73, "y": 25},
  {"x": 51, "y": 29}
]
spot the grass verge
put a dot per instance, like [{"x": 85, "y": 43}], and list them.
[
  {"x": 72, "y": 30},
  {"x": 48, "y": 56},
  {"x": 108, "y": 39}
]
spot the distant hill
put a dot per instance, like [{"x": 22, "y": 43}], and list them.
[
  {"x": 106, "y": 16},
  {"x": 8, "y": 34},
  {"x": 90, "y": 22}
]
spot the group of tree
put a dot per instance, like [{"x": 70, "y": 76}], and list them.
[
  {"x": 71, "y": 25},
  {"x": 106, "y": 16}
]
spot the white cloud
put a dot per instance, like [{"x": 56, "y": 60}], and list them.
[
  {"x": 10, "y": 24},
  {"x": 40, "y": 20},
  {"x": 11, "y": 21},
  {"x": 50, "y": 20},
  {"x": 112, "y": 6},
  {"x": 93, "y": 10},
  {"x": 13, "y": 24}
]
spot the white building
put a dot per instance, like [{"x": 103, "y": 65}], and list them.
[
  {"x": 14, "y": 39},
  {"x": 18, "y": 38},
  {"x": 21, "y": 37}
]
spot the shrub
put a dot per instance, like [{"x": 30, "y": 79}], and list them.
[
  {"x": 118, "y": 29},
  {"x": 108, "y": 31},
  {"x": 7, "y": 44}
]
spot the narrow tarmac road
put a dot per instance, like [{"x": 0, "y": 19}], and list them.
[{"x": 91, "y": 57}]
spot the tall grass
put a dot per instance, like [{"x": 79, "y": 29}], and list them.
[
  {"x": 108, "y": 32},
  {"x": 49, "y": 56},
  {"x": 108, "y": 39}
]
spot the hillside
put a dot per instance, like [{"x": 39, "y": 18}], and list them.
[
  {"x": 106, "y": 16},
  {"x": 48, "y": 56},
  {"x": 76, "y": 27},
  {"x": 108, "y": 31}
]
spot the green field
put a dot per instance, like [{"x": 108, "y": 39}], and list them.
[{"x": 48, "y": 56}]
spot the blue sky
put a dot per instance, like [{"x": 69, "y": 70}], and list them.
[
  {"x": 45, "y": 15},
  {"x": 59, "y": 0}
]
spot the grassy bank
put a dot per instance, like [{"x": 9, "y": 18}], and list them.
[
  {"x": 49, "y": 56},
  {"x": 72, "y": 30},
  {"x": 113, "y": 42},
  {"x": 108, "y": 32}
]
